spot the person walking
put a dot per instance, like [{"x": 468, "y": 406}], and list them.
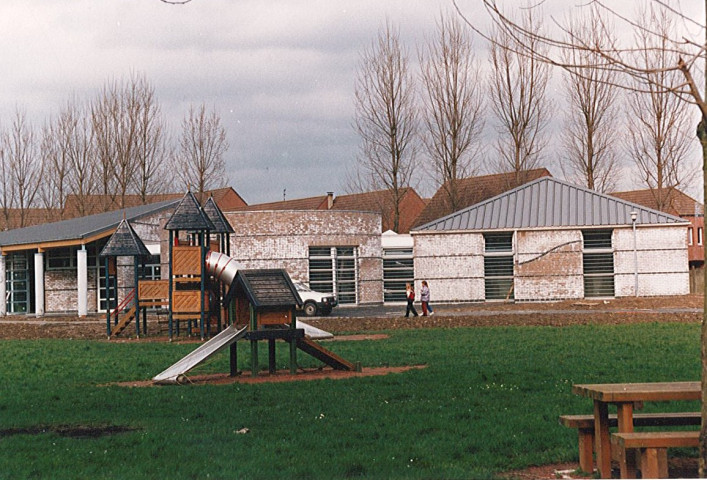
[
  {"x": 425, "y": 299},
  {"x": 410, "y": 295}
]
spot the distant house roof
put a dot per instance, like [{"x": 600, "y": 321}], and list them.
[
  {"x": 265, "y": 288},
  {"x": 226, "y": 198},
  {"x": 473, "y": 190},
  {"x": 75, "y": 231},
  {"x": 214, "y": 213},
  {"x": 189, "y": 216},
  {"x": 548, "y": 202},
  {"x": 309, "y": 203},
  {"x": 379, "y": 201},
  {"x": 125, "y": 242},
  {"x": 677, "y": 202}
]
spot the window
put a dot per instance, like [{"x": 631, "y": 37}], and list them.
[
  {"x": 335, "y": 270},
  {"x": 17, "y": 283},
  {"x": 598, "y": 263},
  {"x": 61, "y": 258},
  {"x": 498, "y": 266},
  {"x": 699, "y": 235},
  {"x": 397, "y": 271},
  {"x": 690, "y": 233},
  {"x": 153, "y": 269}
]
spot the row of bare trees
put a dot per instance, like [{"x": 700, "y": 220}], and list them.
[
  {"x": 436, "y": 118},
  {"x": 659, "y": 62},
  {"x": 115, "y": 145}
]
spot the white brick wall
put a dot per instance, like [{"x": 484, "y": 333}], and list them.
[
  {"x": 549, "y": 263},
  {"x": 281, "y": 239},
  {"x": 452, "y": 264},
  {"x": 662, "y": 261}
]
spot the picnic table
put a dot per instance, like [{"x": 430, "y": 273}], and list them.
[{"x": 625, "y": 396}]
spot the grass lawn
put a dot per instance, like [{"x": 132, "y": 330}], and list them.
[{"x": 487, "y": 403}]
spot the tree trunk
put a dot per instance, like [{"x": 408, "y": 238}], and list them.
[{"x": 702, "y": 135}]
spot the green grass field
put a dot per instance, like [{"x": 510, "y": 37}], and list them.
[{"x": 487, "y": 403}]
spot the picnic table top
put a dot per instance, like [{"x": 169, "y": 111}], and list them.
[{"x": 640, "y": 392}]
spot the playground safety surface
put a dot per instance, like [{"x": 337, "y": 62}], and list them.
[{"x": 280, "y": 376}]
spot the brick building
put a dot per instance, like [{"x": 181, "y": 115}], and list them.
[
  {"x": 380, "y": 201},
  {"x": 331, "y": 250},
  {"x": 549, "y": 240},
  {"x": 681, "y": 205},
  {"x": 55, "y": 267}
]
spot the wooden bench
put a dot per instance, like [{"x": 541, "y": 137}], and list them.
[
  {"x": 585, "y": 429},
  {"x": 652, "y": 449}
]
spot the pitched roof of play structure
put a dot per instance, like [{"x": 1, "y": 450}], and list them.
[
  {"x": 76, "y": 231},
  {"x": 125, "y": 242},
  {"x": 265, "y": 288},
  {"x": 548, "y": 202},
  {"x": 189, "y": 216},
  {"x": 214, "y": 214}
]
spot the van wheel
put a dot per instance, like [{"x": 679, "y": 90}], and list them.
[{"x": 310, "y": 309}]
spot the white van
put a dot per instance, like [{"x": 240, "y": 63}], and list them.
[{"x": 315, "y": 303}]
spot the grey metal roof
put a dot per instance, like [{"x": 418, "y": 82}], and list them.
[
  {"x": 78, "y": 228},
  {"x": 214, "y": 213},
  {"x": 189, "y": 216},
  {"x": 125, "y": 242},
  {"x": 548, "y": 202}
]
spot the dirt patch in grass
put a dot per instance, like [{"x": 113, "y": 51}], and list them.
[
  {"x": 678, "y": 467},
  {"x": 280, "y": 376},
  {"x": 72, "y": 431}
]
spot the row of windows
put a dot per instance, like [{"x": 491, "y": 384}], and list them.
[
  {"x": 598, "y": 264},
  {"x": 691, "y": 235}
]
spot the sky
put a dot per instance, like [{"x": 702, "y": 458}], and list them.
[{"x": 279, "y": 73}]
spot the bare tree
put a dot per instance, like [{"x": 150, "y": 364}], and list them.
[
  {"x": 590, "y": 133},
  {"x": 453, "y": 105},
  {"x": 386, "y": 117},
  {"x": 54, "y": 185},
  {"x": 658, "y": 126},
  {"x": 518, "y": 85},
  {"x": 151, "y": 150},
  {"x": 67, "y": 148},
  {"x": 125, "y": 129},
  {"x": 21, "y": 169},
  {"x": 686, "y": 55},
  {"x": 202, "y": 145}
]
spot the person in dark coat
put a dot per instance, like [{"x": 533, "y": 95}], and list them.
[{"x": 410, "y": 295}]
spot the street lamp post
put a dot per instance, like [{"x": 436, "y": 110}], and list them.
[{"x": 634, "y": 216}]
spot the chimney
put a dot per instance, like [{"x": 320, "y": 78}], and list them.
[{"x": 329, "y": 200}]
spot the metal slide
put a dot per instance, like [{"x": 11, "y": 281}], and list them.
[{"x": 213, "y": 346}]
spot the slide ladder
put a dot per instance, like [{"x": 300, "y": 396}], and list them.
[
  {"x": 324, "y": 355},
  {"x": 123, "y": 321}
]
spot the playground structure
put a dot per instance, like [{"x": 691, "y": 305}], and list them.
[{"x": 206, "y": 287}]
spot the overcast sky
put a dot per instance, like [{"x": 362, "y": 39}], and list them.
[{"x": 280, "y": 73}]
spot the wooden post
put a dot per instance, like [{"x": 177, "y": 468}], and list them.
[
  {"x": 602, "y": 439},
  {"x": 293, "y": 345},
  {"x": 272, "y": 367},
  {"x": 234, "y": 359},
  {"x": 171, "y": 252},
  {"x": 203, "y": 236},
  {"x": 108, "y": 329},
  {"x": 253, "y": 344},
  {"x": 136, "y": 299}
]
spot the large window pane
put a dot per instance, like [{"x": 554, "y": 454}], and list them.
[
  {"x": 398, "y": 270},
  {"x": 333, "y": 269}
]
